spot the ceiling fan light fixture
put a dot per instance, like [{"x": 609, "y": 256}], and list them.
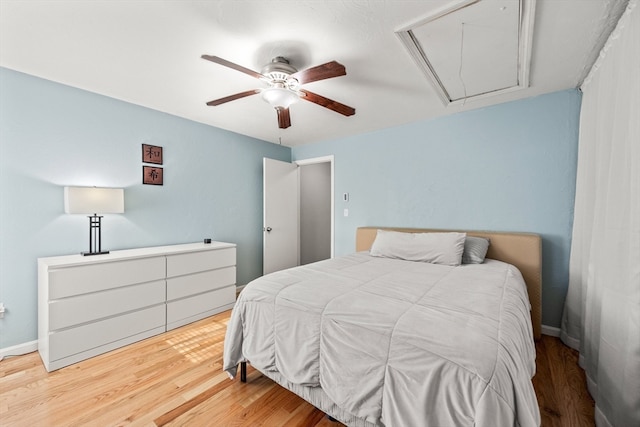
[{"x": 279, "y": 97}]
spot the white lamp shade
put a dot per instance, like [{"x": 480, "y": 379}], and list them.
[
  {"x": 279, "y": 97},
  {"x": 93, "y": 200}
]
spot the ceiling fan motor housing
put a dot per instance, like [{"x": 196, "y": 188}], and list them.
[{"x": 279, "y": 72}]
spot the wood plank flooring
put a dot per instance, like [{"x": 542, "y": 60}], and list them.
[
  {"x": 175, "y": 379},
  {"x": 561, "y": 386}
]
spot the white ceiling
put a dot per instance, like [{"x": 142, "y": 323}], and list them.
[{"x": 148, "y": 53}]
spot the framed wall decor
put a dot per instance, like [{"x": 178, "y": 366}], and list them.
[
  {"x": 152, "y": 175},
  {"x": 151, "y": 154}
]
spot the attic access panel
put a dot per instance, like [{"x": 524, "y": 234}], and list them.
[{"x": 473, "y": 48}]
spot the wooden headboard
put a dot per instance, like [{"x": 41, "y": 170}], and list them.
[{"x": 524, "y": 250}]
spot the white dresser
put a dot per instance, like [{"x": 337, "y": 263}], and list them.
[{"x": 88, "y": 305}]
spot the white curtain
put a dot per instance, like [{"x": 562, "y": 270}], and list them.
[{"x": 602, "y": 311}]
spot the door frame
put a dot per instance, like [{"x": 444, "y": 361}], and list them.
[{"x": 324, "y": 159}]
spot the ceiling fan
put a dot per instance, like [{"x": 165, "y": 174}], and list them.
[{"x": 284, "y": 83}]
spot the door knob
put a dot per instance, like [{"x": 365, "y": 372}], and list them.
[{"x": 268, "y": 229}]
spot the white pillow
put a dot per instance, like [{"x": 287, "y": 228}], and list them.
[{"x": 435, "y": 248}]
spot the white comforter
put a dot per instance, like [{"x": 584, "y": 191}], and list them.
[{"x": 396, "y": 343}]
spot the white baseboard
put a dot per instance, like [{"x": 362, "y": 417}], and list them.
[
  {"x": 19, "y": 350},
  {"x": 550, "y": 330}
]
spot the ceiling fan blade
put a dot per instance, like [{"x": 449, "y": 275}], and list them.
[
  {"x": 229, "y": 64},
  {"x": 327, "y": 103},
  {"x": 284, "y": 119},
  {"x": 233, "y": 97},
  {"x": 320, "y": 72}
]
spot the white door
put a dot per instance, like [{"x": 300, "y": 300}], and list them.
[{"x": 280, "y": 225}]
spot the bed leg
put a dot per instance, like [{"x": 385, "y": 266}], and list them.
[
  {"x": 333, "y": 420},
  {"x": 243, "y": 372}
]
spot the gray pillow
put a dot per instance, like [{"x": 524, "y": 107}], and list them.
[{"x": 475, "y": 249}]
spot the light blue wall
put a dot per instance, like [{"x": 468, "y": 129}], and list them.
[
  {"x": 53, "y": 135},
  {"x": 509, "y": 167}
]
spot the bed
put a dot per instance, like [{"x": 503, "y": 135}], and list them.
[{"x": 381, "y": 341}]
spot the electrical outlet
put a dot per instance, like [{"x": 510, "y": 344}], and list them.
[{"x": 2, "y": 310}]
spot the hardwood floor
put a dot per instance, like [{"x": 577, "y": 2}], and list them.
[
  {"x": 561, "y": 386},
  {"x": 175, "y": 379}
]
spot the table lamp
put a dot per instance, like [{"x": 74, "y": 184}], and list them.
[{"x": 94, "y": 201}]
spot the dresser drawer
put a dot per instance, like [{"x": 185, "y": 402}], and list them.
[
  {"x": 85, "y": 337},
  {"x": 89, "y": 307},
  {"x": 202, "y": 303},
  {"x": 191, "y": 284},
  {"x": 68, "y": 281},
  {"x": 180, "y": 264}
]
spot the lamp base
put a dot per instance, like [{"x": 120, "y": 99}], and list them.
[{"x": 94, "y": 253}]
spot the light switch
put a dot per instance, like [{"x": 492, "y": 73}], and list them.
[{"x": 346, "y": 212}]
